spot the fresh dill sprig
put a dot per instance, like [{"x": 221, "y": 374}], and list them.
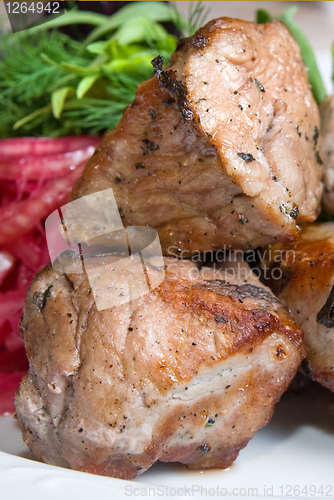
[
  {"x": 197, "y": 15},
  {"x": 52, "y": 85},
  {"x": 26, "y": 79}
]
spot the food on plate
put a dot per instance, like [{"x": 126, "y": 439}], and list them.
[
  {"x": 306, "y": 272},
  {"x": 327, "y": 132},
  {"x": 36, "y": 176},
  {"x": 186, "y": 373},
  {"x": 219, "y": 149}
]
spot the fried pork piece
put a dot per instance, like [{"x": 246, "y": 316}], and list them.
[
  {"x": 220, "y": 148},
  {"x": 327, "y": 131},
  {"x": 306, "y": 288},
  {"x": 186, "y": 373}
]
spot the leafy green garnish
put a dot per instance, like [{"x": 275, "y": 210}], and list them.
[
  {"x": 70, "y": 18},
  {"x": 196, "y": 17},
  {"x": 52, "y": 85},
  {"x": 26, "y": 80},
  {"x": 263, "y": 17},
  {"x": 318, "y": 87},
  {"x": 58, "y": 99},
  {"x": 154, "y": 11}
]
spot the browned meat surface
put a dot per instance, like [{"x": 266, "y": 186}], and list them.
[
  {"x": 327, "y": 130},
  {"x": 307, "y": 290},
  {"x": 186, "y": 373},
  {"x": 221, "y": 147}
]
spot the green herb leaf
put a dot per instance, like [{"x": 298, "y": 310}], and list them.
[
  {"x": 140, "y": 29},
  {"x": 85, "y": 84},
  {"x": 98, "y": 47},
  {"x": 196, "y": 17},
  {"x": 69, "y": 18},
  {"x": 58, "y": 98},
  {"x": 156, "y": 11},
  {"x": 32, "y": 116},
  {"x": 262, "y": 16},
  {"x": 78, "y": 70}
]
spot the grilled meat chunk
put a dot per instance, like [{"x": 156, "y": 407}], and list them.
[
  {"x": 306, "y": 288},
  {"x": 186, "y": 373},
  {"x": 219, "y": 148},
  {"x": 327, "y": 131}
]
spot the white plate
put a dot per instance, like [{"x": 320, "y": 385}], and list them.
[{"x": 292, "y": 456}]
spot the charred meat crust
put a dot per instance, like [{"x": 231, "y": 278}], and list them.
[
  {"x": 262, "y": 318},
  {"x": 167, "y": 79},
  {"x": 326, "y": 314},
  {"x": 306, "y": 368},
  {"x": 239, "y": 292},
  {"x": 199, "y": 41}
]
